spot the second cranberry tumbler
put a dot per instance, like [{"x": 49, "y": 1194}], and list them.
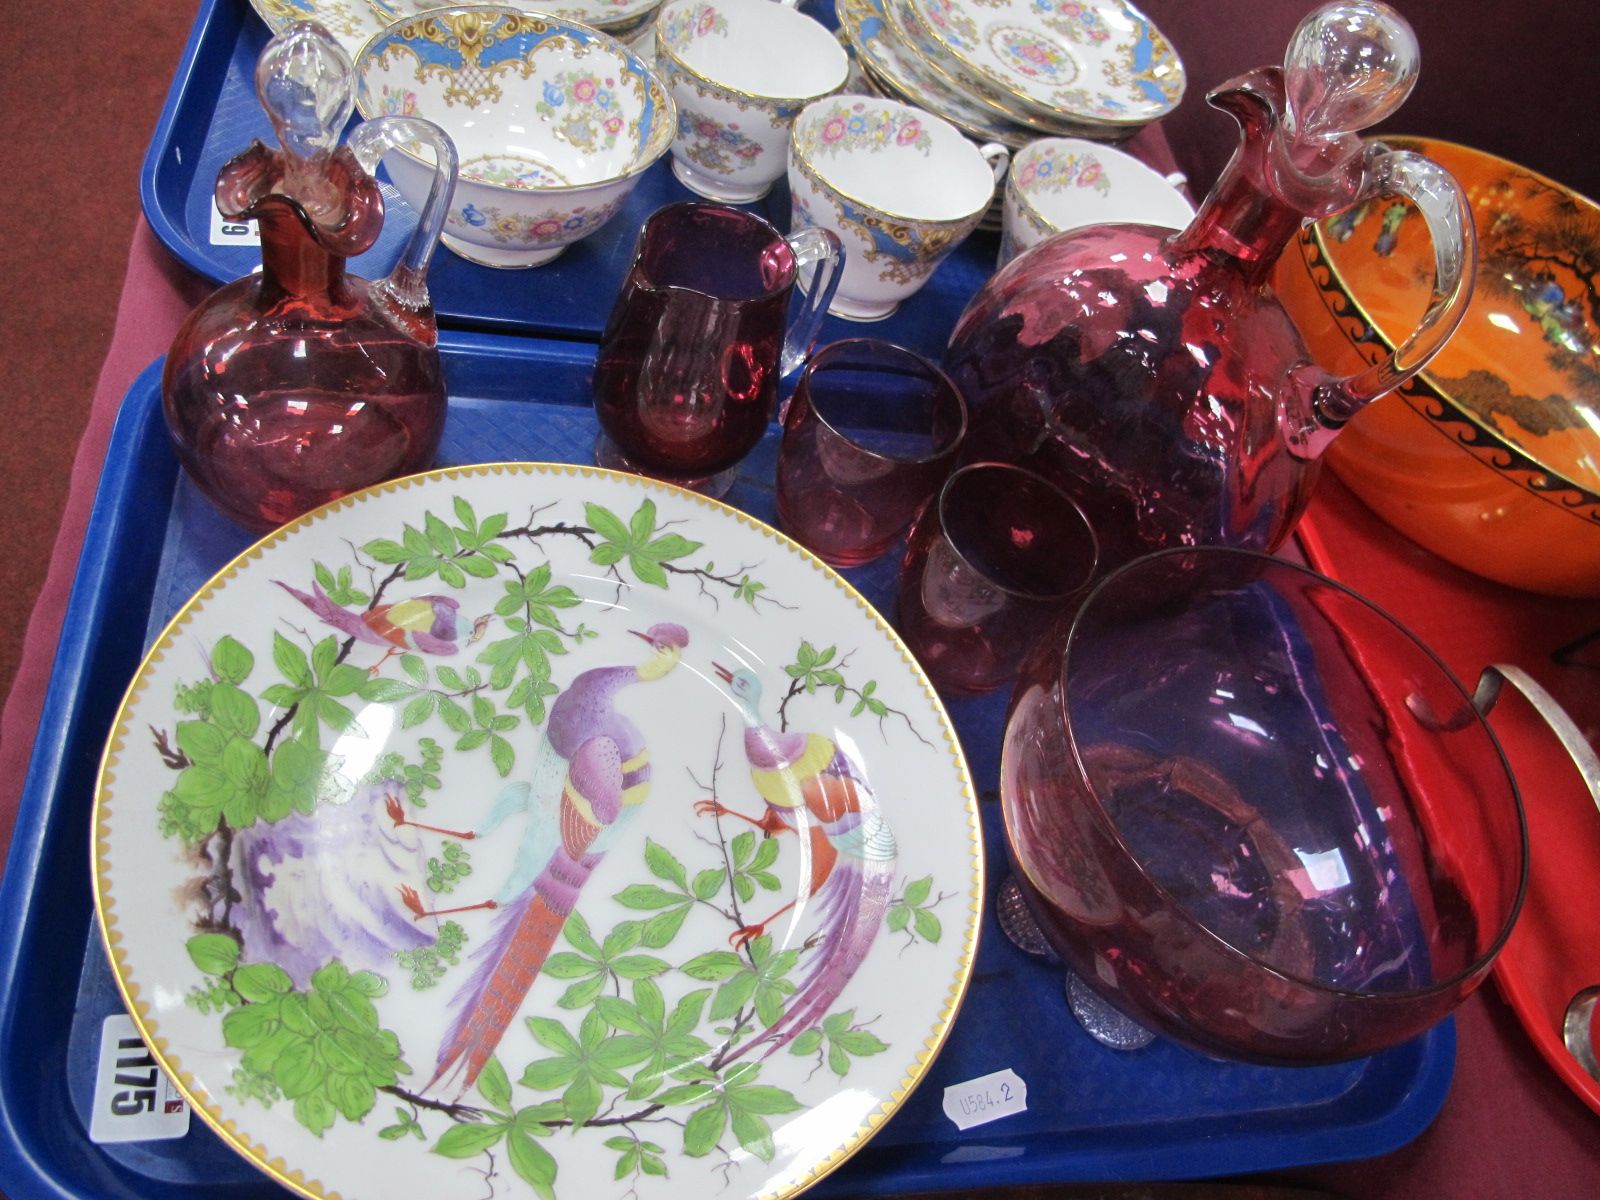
[{"x": 993, "y": 562}]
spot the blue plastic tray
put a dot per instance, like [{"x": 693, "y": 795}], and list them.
[
  {"x": 212, "y": 113},
  {"x": 1160, "y": 1113}
]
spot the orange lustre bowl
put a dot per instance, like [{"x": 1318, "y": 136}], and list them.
[{"x": 1490, "y": 457}]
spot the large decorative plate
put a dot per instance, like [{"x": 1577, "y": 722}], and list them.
[
  {"x": 1086, "y": 60},
  {"x": 537, "y": 830},
  {"x": 352, "y": 22}
]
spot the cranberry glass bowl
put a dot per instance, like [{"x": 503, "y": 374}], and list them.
[{"x": 1257, "y": 815}]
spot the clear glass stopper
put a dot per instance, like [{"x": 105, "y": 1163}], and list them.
[
  {"x": 306, "y": 83},
  {"x": 1349, "y": 65}
]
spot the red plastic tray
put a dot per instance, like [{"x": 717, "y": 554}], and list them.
[{"x": 1471, "y": 622}]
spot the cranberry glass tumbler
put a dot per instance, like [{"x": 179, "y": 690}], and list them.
[
  {"x": 990, "y": 567},
  {"x": 868, "y": 438}
]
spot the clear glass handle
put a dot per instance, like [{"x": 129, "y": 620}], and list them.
[
  {"x": 407, "y": 284},
  {"x": 819, "y": 252},
  {"x": 1442, "y": 204}
]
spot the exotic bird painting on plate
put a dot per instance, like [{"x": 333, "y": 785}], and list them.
[{"x": 535, "y": 830}]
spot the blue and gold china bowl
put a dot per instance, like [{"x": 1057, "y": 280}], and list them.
[
  {"x": 554, "y": 121},
  {"x": 352, "y": 22}
]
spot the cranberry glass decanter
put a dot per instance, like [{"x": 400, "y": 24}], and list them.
[
  {"x": 291, "y": 387},
  {"x": 1153, "y": 375}
]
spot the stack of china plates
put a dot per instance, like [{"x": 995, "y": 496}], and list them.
[
  {"x": 1014, "y": 70},
  {"x": 352, "y": 22}
]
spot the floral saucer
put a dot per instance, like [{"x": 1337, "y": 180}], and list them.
[
  {"x": 532, "y": 830},
  {"x": 1100, "y": 61},
  {"x": 352, "y": 22},
  {"x": 864, "y": 25}
]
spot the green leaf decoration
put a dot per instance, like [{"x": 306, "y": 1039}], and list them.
[
  {"x": 582, "y": 1064},
  {"x": 604, "y": 522},
  {"x": 660, "y": 929},
  {"x": 714, "y": 966},
  {"x": 704, "y": 1128},
  {"x": 201, "y": 742},
  {"x": 428, "y": 964},
  {"x": 647, "y": 896},
  {"x": 912, "y": 912},
  {"x": 353, "y": 1097},
  {"x": 664, "y": 865},
  {"x": 467, "y": 1140},
  {"x": 532, "y": 1162},
  {"x": 213, "y": 953},
  {"x": 628, "y": 1164},
  {"x": 314, "y": 1111},
  {"x": 494, "y": 1086},
  {"x": 291, "y": 661},
  {"x": 259, "y": 982},
  {"x": 234, "y": 711},
  {"x": 231, "y": 662},
  {"x": 386, "y": 691},
  {"x": 322, "y": 1047},
  {"x": 576, "y": 931},
  {"x": 384, "y": 551},
  {"x": 405, "y": 1125},
  {"x": 753, "y": 1133},
  {"x": 636, "y": 542}
]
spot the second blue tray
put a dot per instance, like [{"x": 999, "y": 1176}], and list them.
[
  {"x": 212, "y": 113},
  {"x": 1093, "y": 1114}
]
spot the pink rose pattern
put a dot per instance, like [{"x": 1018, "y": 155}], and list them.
[
  {"x": 1050, "y": 169},
  {"x": 553, "y": 227},
  {"x": 397, "y": 102},
  {"x": 517, "y": 173},
  {"x": 1080, "y": 22},
  {"x": 857, "y": 127},
  {"x": 960, "y": 30},
  {"x": 1031, "y": 55},
  {"x": 717, "y": 147},
  {"x": 586, "y": 108},
  {"x": 683, "y": 26}
]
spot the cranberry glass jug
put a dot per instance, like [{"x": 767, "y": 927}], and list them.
[
  {"x": 291, "y": 387},
  {"x": 1153, "y": 375}
]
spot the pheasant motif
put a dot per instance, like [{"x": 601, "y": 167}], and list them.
[
  {"x": 426, "y": 623},
  {"x": 814, "y": 790},
  {"x": 590, "y": 776}
]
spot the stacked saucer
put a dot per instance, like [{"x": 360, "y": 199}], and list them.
[{"x": 1014, "y": 70}]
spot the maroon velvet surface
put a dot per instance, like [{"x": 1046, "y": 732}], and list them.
[
  {"x": 1521, "y": 86},
  {"x": 1516, "y": 80},
  {"x": 79, "y": 112}
]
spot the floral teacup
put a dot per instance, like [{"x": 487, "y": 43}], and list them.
[
  {"x": 554, "y": 121},
  {"x": 900, "y": 187},
  {"x": 740, "y": 71},
  {"x": 1058, "y": 184}
]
